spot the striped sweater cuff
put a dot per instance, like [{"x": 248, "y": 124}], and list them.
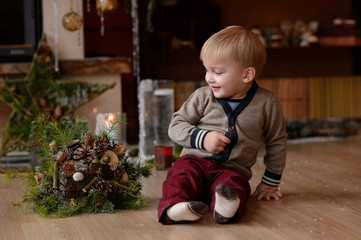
[
  {"x": 271, "y": 179},
  {"x": 197, "y": 138}
]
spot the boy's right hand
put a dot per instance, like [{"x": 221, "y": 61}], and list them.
[{"x": 214, "y": 142}]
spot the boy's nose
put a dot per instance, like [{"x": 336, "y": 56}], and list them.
[{"x": 208, "y": 78}]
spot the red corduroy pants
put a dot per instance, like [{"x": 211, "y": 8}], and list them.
[{"x": 195, "y": 179}]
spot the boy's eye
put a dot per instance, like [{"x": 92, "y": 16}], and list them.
[{"x": 217, "y": 72}]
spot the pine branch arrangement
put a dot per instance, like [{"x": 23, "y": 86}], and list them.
[{"x": 79, "y": 172}]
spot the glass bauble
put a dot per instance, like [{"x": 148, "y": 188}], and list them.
[{"x": 72, "y": 21}]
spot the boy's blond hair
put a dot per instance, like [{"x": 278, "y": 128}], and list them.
[{"x": 236, "y": 43}]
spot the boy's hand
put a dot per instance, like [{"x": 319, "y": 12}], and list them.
[
  {"x": 266, "y": 192},
  {"x": 214, "y": 142}
]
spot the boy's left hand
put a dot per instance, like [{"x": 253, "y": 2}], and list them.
[{"x": 266, "y": 192}]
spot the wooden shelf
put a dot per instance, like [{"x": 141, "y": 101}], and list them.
[
  {"x": 87, "y": 66},
  {"x": 184, "y": 64},
  {"x": 102, "y": 65},
  {"x": 340, "y": 41}
]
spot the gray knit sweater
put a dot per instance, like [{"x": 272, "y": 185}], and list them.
[{"x": 256, "y": 120}]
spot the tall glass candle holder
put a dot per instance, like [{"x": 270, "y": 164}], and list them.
[
  {"x": 163, "y": 111},
  {"x": 146, "y": 123},
  {"x": 156, "y": 107}
]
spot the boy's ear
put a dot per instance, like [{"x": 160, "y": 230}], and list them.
[{"x": 248, "y": 74}]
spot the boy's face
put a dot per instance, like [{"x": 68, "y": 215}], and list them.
[{"x": 226, "y": 78}]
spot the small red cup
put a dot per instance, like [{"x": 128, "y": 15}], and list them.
[{"x": 163, "y": 156}]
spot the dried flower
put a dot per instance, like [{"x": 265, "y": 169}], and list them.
[
  {"x": 52, "y": 144},
  {"x": 68, "y": 168},
  {"x": 38, "y": 177},
  {"x": 60, "y": 157},
  {"x": 120, "y": 150},
  {"x": 93, "y": 168}
]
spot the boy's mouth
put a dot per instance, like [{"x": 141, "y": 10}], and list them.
[{"x": 214, "y": 88}]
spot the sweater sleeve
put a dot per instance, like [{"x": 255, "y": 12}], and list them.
[
  {"x": 275, "y": 138},
  {"x": 183, "y": 126}
]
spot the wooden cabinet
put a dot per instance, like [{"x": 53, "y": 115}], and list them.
[{"x": 160, "y": 59}]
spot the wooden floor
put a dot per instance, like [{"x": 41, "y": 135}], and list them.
[{"x": 322, "y": 200}]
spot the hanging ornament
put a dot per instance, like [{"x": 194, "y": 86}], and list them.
[
  {"x": 72, "y": 21},
  {"x": 103, "y": 6},
  {"x": 106, "y": 5}
]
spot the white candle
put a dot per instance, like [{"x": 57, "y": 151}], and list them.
[{"x": 104, "y": 121}]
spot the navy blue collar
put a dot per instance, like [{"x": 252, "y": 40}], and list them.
[{"x": 232, "y": 114}]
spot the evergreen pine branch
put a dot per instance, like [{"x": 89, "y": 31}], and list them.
[{"x": 35, "y": 104}]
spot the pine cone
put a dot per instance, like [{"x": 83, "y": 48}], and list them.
[
  {"x": 104, "y": 187},
  {"x": 100, "y": 145},
  {"x": 83, "y": 153},
  {"x": 74, "y": 144},
  {"x": 106, "y": 172},
  {"x": 93, "y": 168},
  {"x": 70, "y": 191},
  {"x": 68, "y": 168}
]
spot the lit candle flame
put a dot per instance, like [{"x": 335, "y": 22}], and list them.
[{"x": 111, "y": 117}]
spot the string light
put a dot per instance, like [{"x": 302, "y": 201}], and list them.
[{"x": 55, "y": 9}]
